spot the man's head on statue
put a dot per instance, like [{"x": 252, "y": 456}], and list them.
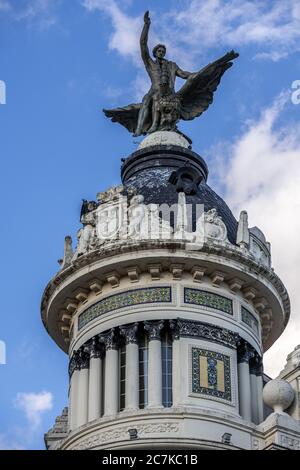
[{"x": 159, "y": 51}]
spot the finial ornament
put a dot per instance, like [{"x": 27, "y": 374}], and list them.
[{"x": 162, "y": 107}]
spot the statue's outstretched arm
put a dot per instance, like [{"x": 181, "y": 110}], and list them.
[
  {"x": 144, "y": 39},
  {"x": 183, "y": 74}
]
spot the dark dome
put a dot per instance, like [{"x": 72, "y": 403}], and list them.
[{"x": 149, "y": 170}]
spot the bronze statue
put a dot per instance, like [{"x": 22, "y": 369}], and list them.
[{"x": 162, "y": 107}]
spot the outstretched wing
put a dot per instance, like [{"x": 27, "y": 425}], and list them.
[
  {"x": 127, "y": 116},
  {"x": 197, "y": 93}
]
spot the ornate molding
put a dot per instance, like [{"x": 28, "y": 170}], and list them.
[
  {"x": 122, "y": 434},
  {"x": 216, "y": 334}
]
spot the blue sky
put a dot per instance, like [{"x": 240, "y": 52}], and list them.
[{"x": 62, "y": 62}]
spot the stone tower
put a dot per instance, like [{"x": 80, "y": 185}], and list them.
[{"x": 165, "y": 309}]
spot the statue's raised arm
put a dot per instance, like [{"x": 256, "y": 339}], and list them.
[
  {"x": 144, "y": 39},
  {"x": 162, "y": 107}
]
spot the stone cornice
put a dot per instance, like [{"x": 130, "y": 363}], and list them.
[{"x": 221, "y": 254}]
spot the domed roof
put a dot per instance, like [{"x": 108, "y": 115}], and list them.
[{"x": 149, "y": 172}]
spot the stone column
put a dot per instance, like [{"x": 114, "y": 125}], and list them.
[
  {"x": 73, "y": 391},
  {"x": 153, "y": 329},
  {"x": 176, "y": 367},
  {"x": 253, "y": 388},
  {"x": 244, "y": 382},
  {"x": 132, "y": 367},
  {"x": 111, "y": 395},
  {"x": 83, "y": 389},
  {"x": 95, "y": 381},
  {"x": 259, "y": 383}
]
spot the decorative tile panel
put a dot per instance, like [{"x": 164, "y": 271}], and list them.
[
  {"x": 208, "y": 299},
  {"x": 250, "y": 320},
  {"x": 148, "y": 295},
  {"x": 211, "y": 374}
]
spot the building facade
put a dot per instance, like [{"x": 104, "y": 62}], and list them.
[{"x": 165, "y": 308}]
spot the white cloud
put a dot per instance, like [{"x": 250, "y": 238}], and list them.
[
  {"x": 126, "y": 29},
  {"x": 193, "y": 31},
  {"x": 198, "y": 26},
  {"x": 273, "y": 27},
  {"x": 263, "y": 169},
  {"x": 34, "y": 405}
]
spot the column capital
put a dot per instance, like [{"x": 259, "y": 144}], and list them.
[
  {"x": 109, "y": 339},
  {"x": 153, "y": 329},
  {"x": 245, "y": 352},
  {"x": 175, "y": 329},
  {"x": 256, "y": 365},
  {"x": 130, "y": 332},
  {"x": 95, "y": 349},
  {"x": 84, "y": 358},
  {"x": 73, "y": 363}
]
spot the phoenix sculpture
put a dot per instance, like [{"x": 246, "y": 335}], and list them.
[{"x": 162, "y": 107}]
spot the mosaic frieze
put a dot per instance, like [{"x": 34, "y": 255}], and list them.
[
  {"x": 211, "y": 374},
  {"x": 249, "y": 320},
  {"x": 126, "y": 299},
  {"x": 208, "y": 299}
]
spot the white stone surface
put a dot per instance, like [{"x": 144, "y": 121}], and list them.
[
  {"x": 111, "y": 398},
  {"x": 82, "y": 398},
  {"x": 73, "y": 400},
  {"x": 278, "y": 394},
  {"x": 254, "y": 398},
  {"x": 164, "y": 138},
  {"x": 132, "y": 377},
  {"x": 244, "y": 390},
  {"x": 291, "y": 373},
  {"x": 95, "y": 388},
  {"x": 155, "y": 375}
]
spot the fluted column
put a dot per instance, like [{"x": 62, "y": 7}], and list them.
[
  {"x": 176, "y": 367},
  {"x": 132, "y": 367},
  {"x": 154, "y": 363},
  {"x": 244, "y": 382},
  {"x": 95, "y": 381},
  {"x": 111, "y": 395},
  {"x": 83, "y": 389}
]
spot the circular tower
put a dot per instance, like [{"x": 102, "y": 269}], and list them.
[{"x": 165, "y": 309}]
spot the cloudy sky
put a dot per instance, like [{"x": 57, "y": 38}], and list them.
[{"x": 62, "y": 62}]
